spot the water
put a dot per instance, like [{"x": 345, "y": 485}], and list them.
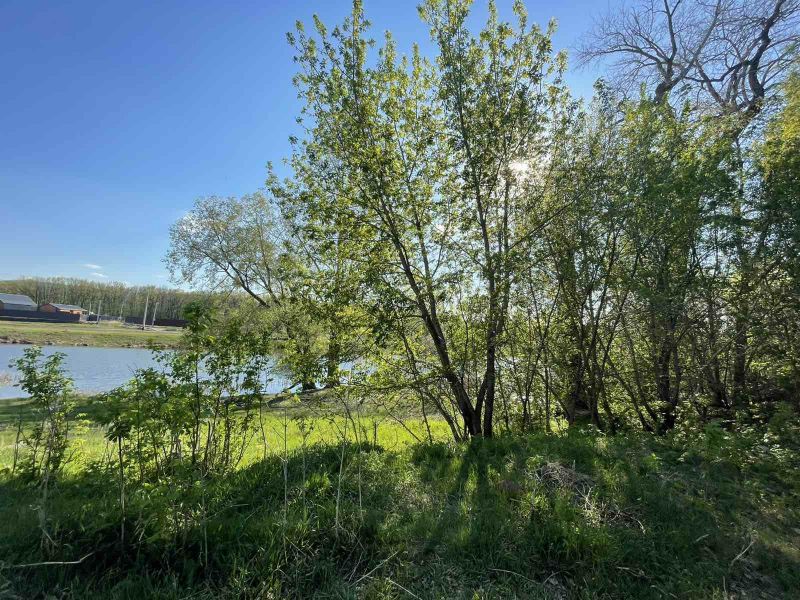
[{"x": 92, "y": 370}]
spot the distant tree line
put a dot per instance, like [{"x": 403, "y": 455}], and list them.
[{"x": 113, "y": 299}]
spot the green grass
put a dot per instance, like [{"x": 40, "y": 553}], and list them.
[
  {"x": 325, "y": 422},
  {"x": 577, "y": 515},
  {"x": 91, "y": 334}
]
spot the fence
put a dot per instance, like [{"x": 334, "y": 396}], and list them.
[
  {"x": 157, "y": 323},
  {"x": 170, "y": 322},
  {"x": 48, "y": 317},
  {"x": 38, "y": 316},
  {"x": 94, "y": 318}
]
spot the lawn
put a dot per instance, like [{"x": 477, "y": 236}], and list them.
[{"x": 86, "y": 334}]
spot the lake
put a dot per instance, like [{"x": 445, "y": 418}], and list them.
[{"x": 92, "y": 370}]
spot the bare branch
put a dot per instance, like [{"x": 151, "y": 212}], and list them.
[{"x": 730, "y": 53}]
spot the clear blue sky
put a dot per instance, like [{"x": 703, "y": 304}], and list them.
[{"x": 115, "y": 116}]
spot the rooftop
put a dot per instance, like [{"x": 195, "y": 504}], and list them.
[
  {"x": 16, "y": 299},
  {"x": 65, "y": 306}
]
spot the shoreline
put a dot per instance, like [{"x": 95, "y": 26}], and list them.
[
  {"x": 24, "y": 342},
  {"x": 86, "y": 335}
]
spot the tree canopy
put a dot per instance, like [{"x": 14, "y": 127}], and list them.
[{"x": 458, "y": 231}]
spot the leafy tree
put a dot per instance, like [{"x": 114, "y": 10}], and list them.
[
  {"x": 422, "y": 167},
  {"x": 242, "y": 243},
  {"x": 46, "y": 445},
  {"x": 50, "y": 390},
  {"x": 585, "y": 245},
  {"x": 779, "y": 209}
]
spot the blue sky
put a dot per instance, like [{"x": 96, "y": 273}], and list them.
[{"x": 115, "y": 116}]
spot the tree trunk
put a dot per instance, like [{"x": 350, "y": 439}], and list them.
[
  {"x": 333, "y": 360},
  {"x": 739, "y": 358},
  {"x": 490, "y": 380},
  {"x": 719, "y": 395},
  {"x": 578, "y": 408}
]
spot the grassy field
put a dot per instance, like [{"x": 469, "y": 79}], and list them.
[
  {"x": 86, "y": 334},
  {"x": 574, "y": 515},
  {"x": 325, "y": 423}
]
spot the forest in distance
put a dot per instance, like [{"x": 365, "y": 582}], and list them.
[
  {"x": 540, "y": 346},
  {"x": 114, "y": 299}
]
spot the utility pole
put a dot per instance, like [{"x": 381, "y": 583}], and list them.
[
  {"x": 144, "y": 318},
  {"x": 155, "y": 310},
  {"x": 99, "y": 306}
]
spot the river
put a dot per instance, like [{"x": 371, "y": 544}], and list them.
[{"x": 92, "y": 370}]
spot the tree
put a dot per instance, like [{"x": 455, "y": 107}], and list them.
[
  {"x": 672, "y": 169},
  {"x": 778, "y": 163},
  {"x": 585, "y": 245},
  {"x": 241, "y": 243},
  {"x": 729, "y": 58},
  {"x": 422, "y": 168},
  {"x": 727, "y": 53},
  {"x": 329, "y": 277}
]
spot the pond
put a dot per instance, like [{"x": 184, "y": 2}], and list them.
[{"x": 93, "y": 370}]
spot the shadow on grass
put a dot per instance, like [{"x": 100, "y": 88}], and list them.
[
  {"x": 481, "y": 519},
  {"x": 649, "y": 524},
  {"x": 21, "y": 410}
]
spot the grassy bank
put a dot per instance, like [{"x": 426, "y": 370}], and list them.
[
  {"x": 113, "y": 335},
  {"x": 577, "y": 515}
]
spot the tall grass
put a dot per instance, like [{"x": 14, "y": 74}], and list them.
[{"x": 571, "y": 516}]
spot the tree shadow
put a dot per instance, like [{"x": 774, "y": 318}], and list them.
[
  {"x": 336, "y": 518},
  {"x": 22, "y": 411}
]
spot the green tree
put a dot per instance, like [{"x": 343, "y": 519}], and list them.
[
  {"x": 243, "y": 244},
  {"x": 423, "y": 167},
  {"x": 50, "y": 391}
]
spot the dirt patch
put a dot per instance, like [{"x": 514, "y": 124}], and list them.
[
  {"x": 555, "y": 476},
  {"x": 581, "y": 490}
]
